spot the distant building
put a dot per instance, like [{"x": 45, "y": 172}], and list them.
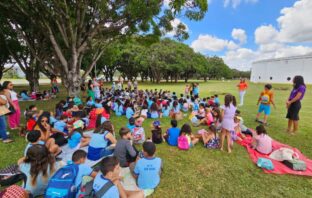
[{"x": 282, "y": 70}]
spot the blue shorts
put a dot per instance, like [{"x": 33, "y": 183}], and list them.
[{"x": 265, "y": 108}]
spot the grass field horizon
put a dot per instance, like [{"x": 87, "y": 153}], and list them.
[{"x": 210, "y": 173}]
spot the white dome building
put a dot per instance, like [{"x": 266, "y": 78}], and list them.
[{"x": 282, "y": 70}]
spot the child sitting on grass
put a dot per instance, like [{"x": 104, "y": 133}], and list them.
[
  {"x": 33, "y": 137},
  {"x": 138, "y": 132},
  {"x": 147, "y": 170},
  {"x": 131, "y": 124},
  {"x": 172, "y": 134},
  {"x": 79, "y": 157},
  {"x": 210, "y": 138},
  {"x": 76, "y": 139},
  {"x": 124, "y": 151},
  {"x": 109, "y": 172},
  {"x": 261, "y": 141},
  {"x": 157, "y": 132},
  {"x": 186, "y": 130}
]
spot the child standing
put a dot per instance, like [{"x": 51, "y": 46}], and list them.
[
  {"x": 148, "y": 169},
  {"x": 227, "y": 124},
  {"x": 265, "y": 100},
  {"x": 157, "y": 132}
]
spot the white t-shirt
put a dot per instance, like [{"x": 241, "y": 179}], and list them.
[{"x": 13, "y": 95}]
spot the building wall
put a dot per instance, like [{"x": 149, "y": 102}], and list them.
[{"x": 279, "y": 70}]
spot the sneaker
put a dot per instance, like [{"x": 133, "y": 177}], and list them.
[{"x": 7, "y": 141}]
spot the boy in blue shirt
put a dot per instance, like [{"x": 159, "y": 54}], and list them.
[
  {"x": 61, "y": 125},
  {"x": 110, "y": 171},
  {"x": 33, "y": 139},
  {"x": 79, "y": 157},
  {"x": 131, "y": 124},
  {"x": 148, "y": 169},
  {"x": 172, "y": 134}
]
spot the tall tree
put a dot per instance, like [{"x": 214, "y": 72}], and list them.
[{"x": 71, "y": 25}]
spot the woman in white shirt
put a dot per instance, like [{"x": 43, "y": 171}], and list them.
[{"x": 15, "y": 118}]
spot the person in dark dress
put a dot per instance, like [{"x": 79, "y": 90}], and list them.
[{"x": 293, "y": 104}]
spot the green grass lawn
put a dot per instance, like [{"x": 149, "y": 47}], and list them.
[{"x": 210, "y": 173}]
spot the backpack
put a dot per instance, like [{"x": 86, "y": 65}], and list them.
[
  {"x": 88, "y": 192},
  {"x": 11, "y": 175},
  {"x": 62, "y": 183},
  {"x": 265, "y": 163},
  {"x": 183, "y": 143},
  {"x": 295, "y": 164}
]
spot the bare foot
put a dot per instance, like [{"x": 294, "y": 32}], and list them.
[
  {"x": 229, "y": 150},
  {"x": 221, "y": 149}
]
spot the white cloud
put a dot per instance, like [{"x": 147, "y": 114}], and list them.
[
  {"x": 265, "y": 34},
  {"x": 296, "y": 22},
  {"x": 239, "y": 34},
  {"x": 175, "y": 22},
  {"x": 208, "y": 42},
  {"x": 235, "y": 3}
]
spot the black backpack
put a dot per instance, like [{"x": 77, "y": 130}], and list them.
[
  {"x": 88, "y": 192},
  {"x": 11, "y": 175}
]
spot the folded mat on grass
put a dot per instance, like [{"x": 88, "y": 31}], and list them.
[{"x": 279, "y": 167}]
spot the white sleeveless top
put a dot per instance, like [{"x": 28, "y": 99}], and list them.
[{"x": 13, "y": 95}]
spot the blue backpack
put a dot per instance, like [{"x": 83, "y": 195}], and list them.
[{"x": 62, "y": 183}]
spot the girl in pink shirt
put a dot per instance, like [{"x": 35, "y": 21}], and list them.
[{"x": 262, "y": 142}]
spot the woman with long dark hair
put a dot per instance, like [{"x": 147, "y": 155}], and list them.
[
  {"x": 293, "y": 104},
  {"x": 38, "y": 165},
  {"x": 15, "y": 116}
]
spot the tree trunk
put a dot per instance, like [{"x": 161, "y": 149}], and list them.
[
  {"x": 176, "y": 78},
  {"x": 32, "y": 76},
  {"x": 205, "y": 78},
  {"x": 72, "y": 82}
]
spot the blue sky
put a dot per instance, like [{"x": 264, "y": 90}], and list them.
[{"x": 263, "y": 29}]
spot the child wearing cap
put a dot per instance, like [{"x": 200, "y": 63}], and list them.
[
  {"x": 157, "y": 132},
  {"x": 76, "y": 139},
  {"x": 147, "y": 170},
  {"x": 124, "y": 151}
]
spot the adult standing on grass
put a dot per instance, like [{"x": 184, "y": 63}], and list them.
[
  {"x": 293, "y": 104},
  {"x": 4, "y": 105},
  {"x": 242, "y": 87},
  {"x": 90, "y": 90},
  {"x": 15, "y": 116}
]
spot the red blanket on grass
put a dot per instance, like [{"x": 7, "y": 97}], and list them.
[{"x": 279, "y": 167}]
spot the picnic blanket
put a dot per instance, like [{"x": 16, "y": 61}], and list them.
[{"x": 279, "y": 167}]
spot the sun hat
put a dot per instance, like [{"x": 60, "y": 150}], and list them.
[{"x": 78, "y": 124}]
